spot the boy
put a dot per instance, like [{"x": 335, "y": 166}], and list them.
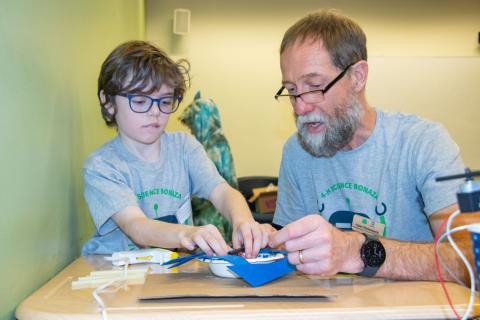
[{"x": 138, "y": 186}]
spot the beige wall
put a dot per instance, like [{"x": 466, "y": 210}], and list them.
[
  {"x": 424, "y": 59},
  {"x": 50, "y": 55}
]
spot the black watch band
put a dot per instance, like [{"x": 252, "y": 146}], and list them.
[
  {"x": 373, "y": 255},
  {"x": 368, "y": 271}
]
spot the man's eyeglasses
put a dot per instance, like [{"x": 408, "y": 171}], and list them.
[
  {"x": 140, "y": 103},
  {"x": 314, "y": 96}
]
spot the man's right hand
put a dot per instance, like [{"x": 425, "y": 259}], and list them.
[{"x": 317, "y": 247}]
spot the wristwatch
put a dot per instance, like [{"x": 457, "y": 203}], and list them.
[{"x": 373, "y": 255}]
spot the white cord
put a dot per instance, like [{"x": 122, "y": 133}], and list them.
[
  {"x": 465, "y": 261},
  {"x": 103, "y": 288},
  {"x": 442, "y": 262}
]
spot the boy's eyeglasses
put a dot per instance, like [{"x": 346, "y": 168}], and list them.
[
  {"x": 314, "y": 96},
  {"x": 140, "y": 103}
]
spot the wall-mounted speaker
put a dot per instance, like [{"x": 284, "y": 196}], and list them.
[{"x": 181, "y": 21}]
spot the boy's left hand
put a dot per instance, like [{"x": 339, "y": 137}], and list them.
[{"x": 251, "y": 235}]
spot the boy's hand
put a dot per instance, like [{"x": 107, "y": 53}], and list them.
[
  {"x": 251, "y": 235},
  {"x": 267, "y": 227},
  {"x": 207, "y": 238}
]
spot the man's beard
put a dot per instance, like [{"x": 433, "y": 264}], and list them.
[{"x": 338, "y": 132}]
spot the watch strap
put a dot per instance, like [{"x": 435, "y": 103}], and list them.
[{"x": 368, "y": 271}]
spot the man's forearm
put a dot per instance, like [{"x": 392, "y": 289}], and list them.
[{"x": 416, "y": 261}]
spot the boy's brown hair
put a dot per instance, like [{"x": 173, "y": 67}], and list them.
[
  {"x": 342, "y": 37},
  {"x": 139, "y": 67}
]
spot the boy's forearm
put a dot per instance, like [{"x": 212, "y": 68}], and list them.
[
  {"x": 231, "y": 204},
  {"x": 163, "y": 234},
  {"x": 147, "y": 232}
]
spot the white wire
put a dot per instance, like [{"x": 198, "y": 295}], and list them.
[
  {"x": 103, "y": 287},
  {"x": 442, "y": 262},
  {"x": 465, "y": 261}
]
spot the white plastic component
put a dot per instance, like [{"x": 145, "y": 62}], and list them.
[
  {"x": 219, "y": 267},
  {"x": 156, "y": 255}
]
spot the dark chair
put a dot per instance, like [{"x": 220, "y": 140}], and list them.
[{"x": 245, "y": 186}]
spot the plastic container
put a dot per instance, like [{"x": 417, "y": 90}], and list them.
[
  {"x": 219, "y": 267},
  {"x": 475, "y": 230}
]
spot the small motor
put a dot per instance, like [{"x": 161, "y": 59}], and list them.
[{"x": 469, "y": 194}]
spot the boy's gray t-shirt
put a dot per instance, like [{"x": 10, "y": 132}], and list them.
[
  {"x": 390, "y": 178},
  {"x": 115, "y": 178}
]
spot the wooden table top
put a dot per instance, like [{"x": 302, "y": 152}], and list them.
[{"x": 355, "y": 298}]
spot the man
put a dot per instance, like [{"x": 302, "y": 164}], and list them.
[{"x": 351, "y": 166}]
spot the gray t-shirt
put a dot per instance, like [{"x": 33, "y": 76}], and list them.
[
  {"x": 390, "y": 178},
  {"x": 115, "y": 178}
]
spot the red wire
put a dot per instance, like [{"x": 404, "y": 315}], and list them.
[{"x": 438, "y": 267}]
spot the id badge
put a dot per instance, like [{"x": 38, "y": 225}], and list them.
[{"x": 367, "y": 226}]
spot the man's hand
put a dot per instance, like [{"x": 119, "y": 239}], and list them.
[
  {"x": 316, "y": 247},
  {"x": 207, "y": 238}
]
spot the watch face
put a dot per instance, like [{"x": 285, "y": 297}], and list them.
[{"x": 373, "y": 253}]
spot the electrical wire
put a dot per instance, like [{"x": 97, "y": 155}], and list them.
[
  {"x": 104, "y": 288},
  {"x": 438, "y": 268},
  {"x": 440, "y": 237},
  {"x": 443, "y": 263},
  {"x": 467, "y": 265}
]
